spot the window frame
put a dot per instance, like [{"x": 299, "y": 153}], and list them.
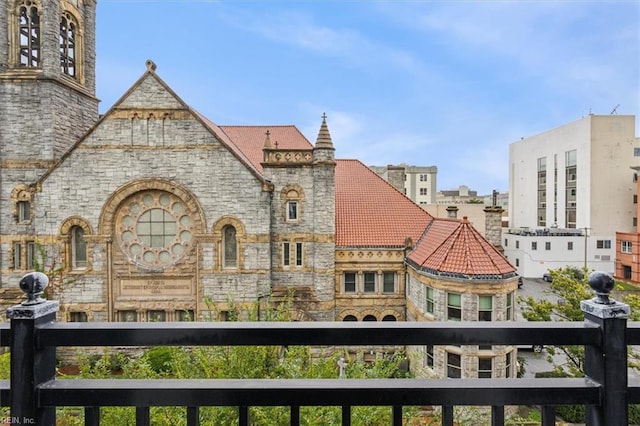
[
  {"x": 454, "y": 308},
  {"x": 31, "y": 28},
  {"x": 430, "y": 299},
  {"x": 78, "y": 246},
  {"x": 454, "y": 370},
  {"x": 483, "y": 313},
  {"x": 346, "y": 282},
  {"x": 483, "y": 371},
  {"x": 24, "y": 211},
  {"x": 292, "y": 209},
  {"x": 229, "y": 245},
  {"x": 385, "y": 282},
  {"x": 369, "y": 282},
  {"x": 626, "y": 247},
  {"x": 286, "y": 254}
]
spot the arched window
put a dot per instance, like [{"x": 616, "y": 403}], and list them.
[
  {"x": 29, "y": 35},
  {"x": 68, "y": 34},
  {"x": 389, "y": 318},
  {"x": 230, "y": 244},
  {"x": 369, "y": 318},
  {"x": 78, "y": 248},
  {"x": 349, "y": 318}
]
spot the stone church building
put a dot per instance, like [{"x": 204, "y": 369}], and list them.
[{"x": 153, "y": 212}]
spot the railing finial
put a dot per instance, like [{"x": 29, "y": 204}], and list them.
[
  {"x": 33, "y": 285},
  {"x": 602, "y": 283}
]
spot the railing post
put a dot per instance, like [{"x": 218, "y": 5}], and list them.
[
  {"x": 607, "y": 364},
  {"x": 31, "y": 365}
]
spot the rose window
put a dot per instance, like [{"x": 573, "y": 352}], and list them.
[{"x": 154, "y": 229}]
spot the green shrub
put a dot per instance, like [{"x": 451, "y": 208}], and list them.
[{"x": 160, "y": 359}]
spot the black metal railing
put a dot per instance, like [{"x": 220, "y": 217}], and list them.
[{"x": 33, "y": 393}]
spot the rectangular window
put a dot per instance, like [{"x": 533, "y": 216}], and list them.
[
  {"x": 635, "y": 198},
  {"x": 485, "y": 367},
  {"x": 292, "y": 211},
  {"x": 571, "y": 158},
  {"x": 509, "y": 310},
  {"x": 626, "y": 272},
  {"x": 185, "y": 315},
  {"x": 547, "y": 245},
  {"x": 454, "y": 307},
  {"x": 534, "y": 245},
  {"x": 570, "y": 245},
  {"x": 298, "y": 254},
  {"x": 428, "y": 356},
  {"x": 506, "y": 242},
  {"x": 429, "y": 300},
  {"x": 389, "y": 282},
  {"x": 286, "y": 253},
  {"x": 485, "y": 305},
  {"x": 625, "y": 247},
  {"x": 423, "y": 178},
  {"x": 517, "y": 262},
  {"x": 156, "y": 316},
  {"x": 507, "y": 365},
  {"x": 24, "y": 211},
  {"x": 78, "y": 317},
  {"x": 17, "y": 255},
  {"x": 423, "y": 191},
  {"x": 369, "y": 282},
  {"x": 127, "y": 316},
  {"x": 31, "y": 254},
  {"x": 349, "y": 282},
  {"x": 454, "y": 367},
  {"x": 636, "y": 152},
  {"x": 517, "y": 244},
  {"x": 603, "y": 244}
]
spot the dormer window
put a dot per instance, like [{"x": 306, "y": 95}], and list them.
[
  {"x": 68, "y": 34},
  {"x": 29, "y": 35}
]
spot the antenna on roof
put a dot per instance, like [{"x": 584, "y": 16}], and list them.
[{"x": 613, "y": 111}]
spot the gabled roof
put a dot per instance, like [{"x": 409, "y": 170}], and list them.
[
  {"x": 250, "y": 140},
  {"x": 455, "y": 248},
  {"x": 371, "y": 212}
]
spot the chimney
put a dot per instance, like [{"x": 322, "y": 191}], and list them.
[
  {"x": 493, "y": 224},
  {"x": 452, "y": 212},
  {"x": 395, "y": 176}
]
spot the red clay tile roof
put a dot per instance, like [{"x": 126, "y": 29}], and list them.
[
  {"x": 455, "y": 248},
  {"x": 250, "y": 140},
  {"x": 371, "y": 212}
]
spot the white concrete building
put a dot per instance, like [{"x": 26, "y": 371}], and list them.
[{"x": 570, "y": 190}]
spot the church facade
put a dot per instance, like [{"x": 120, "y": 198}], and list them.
[{"x": 153, "y": 212}]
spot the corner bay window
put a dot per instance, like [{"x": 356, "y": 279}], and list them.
[
  {"x": 454, "y": 365},
  {"x": 454, "y": 307},
  {"x": 429, "y": 307},
  {"x": 485, "y": 304},
  {"x": 485, "y": 366}
]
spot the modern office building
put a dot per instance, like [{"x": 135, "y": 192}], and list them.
[{"x": 570, "y": 190}]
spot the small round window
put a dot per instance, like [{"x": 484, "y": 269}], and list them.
[{"x": 154, "y": 229}]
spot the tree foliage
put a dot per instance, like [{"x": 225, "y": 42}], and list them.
[
  {"x": 569, "y": 286},
  {"x": 218, "y": 362}
]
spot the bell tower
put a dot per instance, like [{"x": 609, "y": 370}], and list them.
[{"x": 47, "y": 79}]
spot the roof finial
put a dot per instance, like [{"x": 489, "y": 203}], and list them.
[
  {"x": 151, "y": 66},
  {"x": 267, "y": 140},
  {"x": 324, "y": 138}
]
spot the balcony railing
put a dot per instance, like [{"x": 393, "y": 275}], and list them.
[{"x": 33, "y": 392}]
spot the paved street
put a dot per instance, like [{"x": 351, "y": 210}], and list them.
[{"x": 536, "y": 362}]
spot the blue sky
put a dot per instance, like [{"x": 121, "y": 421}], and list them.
[{"x": 429, "y": 83}]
